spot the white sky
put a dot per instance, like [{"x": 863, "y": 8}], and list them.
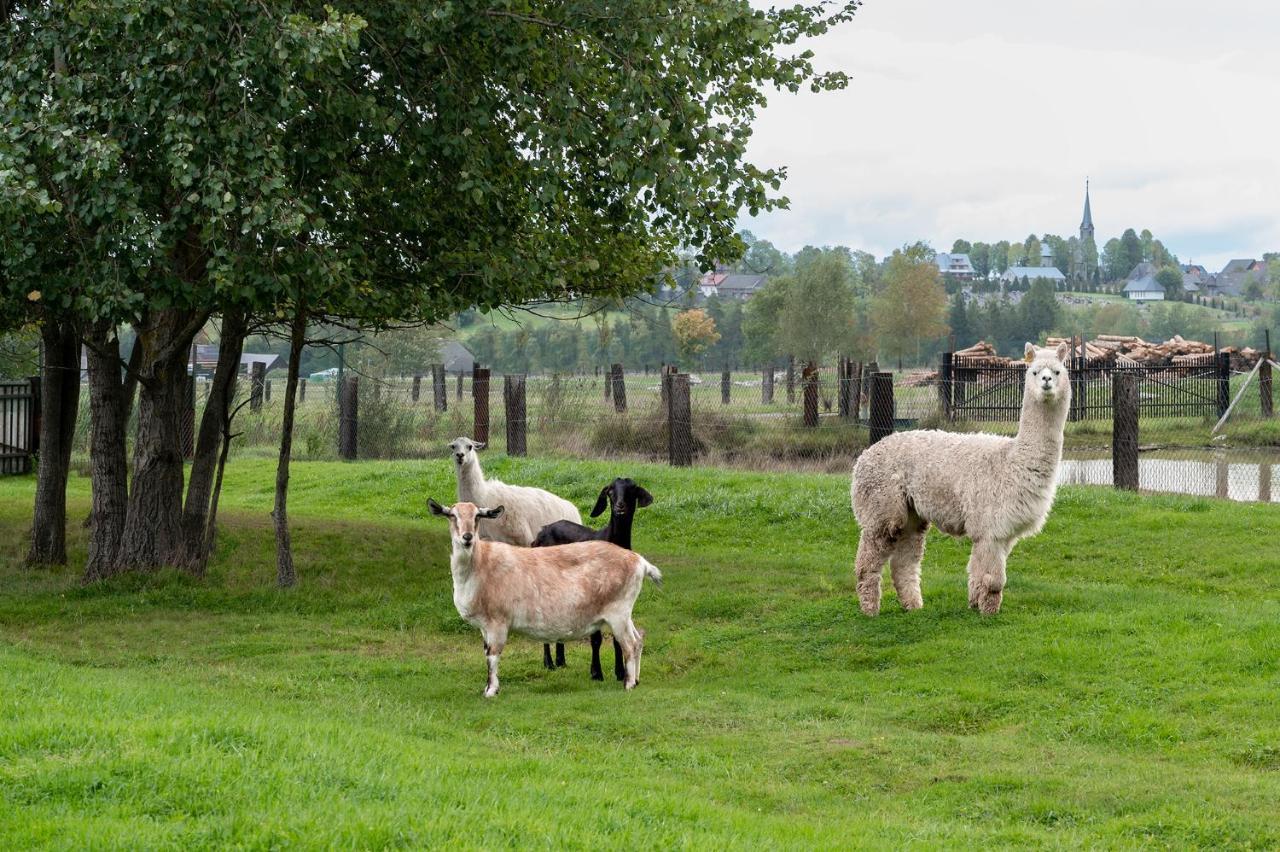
[{"x": 981, "y": 119}]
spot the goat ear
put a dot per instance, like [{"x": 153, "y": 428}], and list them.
[
  {"x": 489, "y": 513},
  {"x": 437, "y": 509},
  {"x": 1063, "y": 351},
  {"x": 643, "y": 498},
  {"x": 1029, "y": 353},
  {"x": 601, "y": 501}
]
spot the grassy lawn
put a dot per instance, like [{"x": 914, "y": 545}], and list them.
[{"x": 1125, "y": 697}]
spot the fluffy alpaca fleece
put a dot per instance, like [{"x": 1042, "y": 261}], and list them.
[
  {"x": 992, "y": 489},
  {"x": 527, "y": 510},
  {"x": 549, "y": 593}
]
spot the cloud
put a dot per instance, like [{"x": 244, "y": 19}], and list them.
[{"x": 981, "y": 120}]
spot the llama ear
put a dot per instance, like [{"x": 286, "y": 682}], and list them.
[
  {"x": 601, "y": 501},
  {"x": 1063, "y": 351},
  {"x": 1029, "y": 354}
]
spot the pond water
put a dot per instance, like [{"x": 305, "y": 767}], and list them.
[{"x": 1245, "y": 475}]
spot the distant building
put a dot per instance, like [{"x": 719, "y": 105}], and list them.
[
  {"x": 1046, "y": 254},
  {"x": 1031, "y": 273},
  {"x": 1194, "y": 278},
  {"x": 1142, "y": 270},
  {"x": 730, "y": 285},
  {"x": 1144, "y": 289},
  {"x": 1235, "y": 277},
  {"x": 1086, "y": 224},
  {"x": 456, "y": 357},
  {"x": 955, "y": 264}
]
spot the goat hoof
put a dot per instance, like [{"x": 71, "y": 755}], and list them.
[
  {"x": 597, "y": 675},
  {"x": 631, "y": 684},
  {"x": 490, "y": 693}
]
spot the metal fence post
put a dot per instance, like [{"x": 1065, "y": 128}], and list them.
[
  {"x": 513, "y": 398},
  {"x": 480, "y": 393},
  {"x": 1124, "y": 429},
  {"x": 944, "y": 384},
  {"x": 618, "y": 378},
  {"x": 809, "y": 384},
  {"x": 881, "y": 414},
  {"x": 348, "y": 417},
  {"x": 679, "y": 420}
]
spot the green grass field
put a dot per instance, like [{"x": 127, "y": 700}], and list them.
[{"x": 1125, "y": 697}]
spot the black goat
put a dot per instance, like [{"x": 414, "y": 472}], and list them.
[{"x": 625, "y": 497}]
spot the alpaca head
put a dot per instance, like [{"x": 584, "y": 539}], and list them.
[
  {"x": 464, "y": 450},
  {"x": 1047, "y": 379}
]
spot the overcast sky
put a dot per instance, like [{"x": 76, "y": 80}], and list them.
[{"x": 981, "y": 119}]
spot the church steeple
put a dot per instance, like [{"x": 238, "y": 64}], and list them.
[{"x": 1086, "y": 225}]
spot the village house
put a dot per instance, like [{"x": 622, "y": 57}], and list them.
[{"x": 955, "y": 264}]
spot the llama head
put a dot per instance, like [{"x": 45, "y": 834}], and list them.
[
  {"x": 464, "y": 450},
  {"x": 1047, "y": 379}
]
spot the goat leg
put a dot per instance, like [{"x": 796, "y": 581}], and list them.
[
  {"x": 546, "y": 657},
  {"x": 597, "y": 639},
  {"x": 559, "y": 655},
  {"x": 619, "y": 667}
]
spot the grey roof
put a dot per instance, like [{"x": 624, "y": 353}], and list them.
[
  {"x": 1033, "y": 272},
  {"x": 956, "y": 263},
  {"x": 456, "y": 356},
  {"x": 1145, "y": 284},
  {"x": 739, "y": 284},
  {"x": 1142, "y": 270},
  {"x": 1087, "y": 221},
  {"x": 1240, "y": 264}
]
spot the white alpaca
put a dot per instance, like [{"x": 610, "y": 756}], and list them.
[
  {"x": 991, "y": 489},
  {"x": 527, "y": 509}
]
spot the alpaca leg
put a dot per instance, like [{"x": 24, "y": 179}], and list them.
[
  {"x": 597, "y": 639},
  {"x": 495, "y": 639},
  {"x": 904, "y": 567},
  {"x": 873, "y": 550},
  {"x": 559, "y": 655},
  {"x": 987, "y": 576},
  {"x": 547, "y": 662}
]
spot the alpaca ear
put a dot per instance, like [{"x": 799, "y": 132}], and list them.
[
  {"x": 1029, "y": 354},
  {"x": 489, "y": 513},
  {"x": 479, "y": 445},
  {"x": 1063, "y": 351}
]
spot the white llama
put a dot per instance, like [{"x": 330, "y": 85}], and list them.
[{"x": 992, "y": 489}]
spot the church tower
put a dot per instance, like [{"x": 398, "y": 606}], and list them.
[{"x": 1086, "y": 224}]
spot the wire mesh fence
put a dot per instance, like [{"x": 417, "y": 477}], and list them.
[{"x": 1203, "y": 430}]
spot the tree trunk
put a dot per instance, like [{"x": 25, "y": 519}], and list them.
[
  {"x": 196, "y": 524},
  {"x": 109, "y": 410},
  {"x": 153, "y": 528},
  {"x": 59, "y": 404},
  {"x": 285, "y": 575}
]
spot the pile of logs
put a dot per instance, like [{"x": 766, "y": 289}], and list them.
[
  {"x": 982, "y": 354},
  {"x": 1122, "y": 350}
]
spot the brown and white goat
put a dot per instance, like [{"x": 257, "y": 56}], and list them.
[{"x": 551, "y": 593}]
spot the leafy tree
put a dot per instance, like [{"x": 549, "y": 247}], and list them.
[
  {"x": 980, "y": 257},
  {"x": 913, "y": 307},
  {"x": 1130, "y": 251},
  {"x": 694, "y": 333},
  {"x": 1038, "y": 310},
  {"x": 958, "y": 320},
  {"x": 168, "y": 161},
  {"x": 1031, "y": 250},
  {"x": 761, "y": 257},
  {"x": 1170, "y": 278},
  {"x": 1000, "y": 254},
  {"x": 760, "y": 320},
  {"x": 1113, "y": 260},
  {"x": 961, "y": 247},
  {"x": 1017, "y": 255},
  {"x": 818, "y": 312}
]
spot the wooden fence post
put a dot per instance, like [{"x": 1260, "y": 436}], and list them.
[
  {"x": 266, "y": 386},
  {"x": 679, "y": 421},
  {"x": 1264, "y": 380},
  {"x": 34, "y": 414},
  {"x": 844, "y": 370},
  {"x": 1124, "y": 429},
  {"x": 618, "y": 378},
  {"x": 348, "y": 417},
  {"x": 881, "y": 414},
  {"x": 868, "y": 379},
  {"x": 726, "y": 382},
  {"x": 766, "y": 385},
  {"x": 513, "y": 398},
  {"x": 608, "y": 382},
  {"x": 439, "y": 390},
  {"x": 809, "y": 384},
  {"x": 256, "y": 385},
  {"x": 944, "y": 384},
  {"x": 302, "y": 390},
  {"x": 1264, "y": 483},
  {"x": 480, "y": 393},
  {"x": 417, "y": 386},
  {"x": 459, "y": 394},
  {"x": 1224, "y": 382},
  {"x": 791, "y": 379},
  {"x": 856, "y": 400}
]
